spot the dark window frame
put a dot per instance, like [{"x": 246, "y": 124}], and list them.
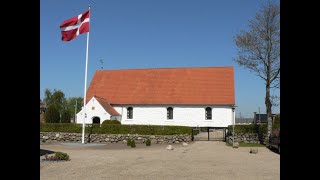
[
  {"x": 208, "y": 113},
  {"x": 130, "y": 113},
  {"x": 169, "y": 113}
]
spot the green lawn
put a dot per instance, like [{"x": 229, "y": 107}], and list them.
[
  {"x": 242, "y": 144},
  {"x": 251, "y": 145}
]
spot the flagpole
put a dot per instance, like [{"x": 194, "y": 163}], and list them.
[{"x": 85, "y": 88}]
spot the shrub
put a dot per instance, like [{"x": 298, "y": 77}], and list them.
[
  {"x": 61, "y": 127},
  {"x": 277, "y": 119},
  {"x": 50, "y": 158},
  {"x": 195, "y": 132},
  {"x": 62, "y": 156},
  {"x": 276, "y": 122},
  {"x": 115, "y": 129},
  {"x": 148, "y": 142},
  {"x": 133, "y": 143},
  {"x": 276, "y": 126},
  {"x": 250, "y": 128},
  {"x": 111, "y": 122},
  {"x": 58, "y": 156},
  {"x": 129, "y": 142}
]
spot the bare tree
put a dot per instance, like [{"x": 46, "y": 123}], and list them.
[{"x": 259, "y": 50}]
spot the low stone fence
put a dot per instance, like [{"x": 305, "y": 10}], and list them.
[
  {"x": 113, "y": 138},
  {"x": 247, "y": 138}
]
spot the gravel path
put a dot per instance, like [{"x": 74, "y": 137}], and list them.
[{"x": 200, "y": 160}]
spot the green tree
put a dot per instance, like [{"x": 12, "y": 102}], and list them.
[
  {"x": 47, "y": 97},
  {"x": 73, "y": 105},
  {"x": 259, "y": 51},
  {"x": 57, "y": 107},
  {"x": 52, "y": 114},
  {"x": 65, "y": 117},
  {"x": 56, "y": 97}
]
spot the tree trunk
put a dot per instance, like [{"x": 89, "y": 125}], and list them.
[
  {"x": 268, "y": 83},
  {"x": 269, "y": 113}
]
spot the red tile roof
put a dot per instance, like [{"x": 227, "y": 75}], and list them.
[
  {"x": 203, "y": 85},
  {"x": 106, "y": 105}
]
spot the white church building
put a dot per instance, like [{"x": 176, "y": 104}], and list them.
[{"x": 195, "y": 97}]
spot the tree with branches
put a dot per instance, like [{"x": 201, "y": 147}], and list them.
[
  {"x": 259, "y": 51},
  {"x": 56, "y": 107}
]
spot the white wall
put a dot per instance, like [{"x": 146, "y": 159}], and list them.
[
  {"x": 183, "y": 115},
  {"x": 98, "y": 111}
]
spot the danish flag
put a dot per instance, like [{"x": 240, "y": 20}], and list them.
[{"x": 71, "y": 28}]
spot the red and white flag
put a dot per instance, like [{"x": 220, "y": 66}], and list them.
[{"x": 71, "y": 28}]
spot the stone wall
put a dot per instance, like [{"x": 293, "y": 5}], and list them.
[
  {"x": 247, "y": 138},
  {"x": 113, "y": 138}
]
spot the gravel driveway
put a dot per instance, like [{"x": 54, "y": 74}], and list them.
[{"x": 200, "y": 160}]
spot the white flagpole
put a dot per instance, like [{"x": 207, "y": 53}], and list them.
[{"x": 85, "y": 87}]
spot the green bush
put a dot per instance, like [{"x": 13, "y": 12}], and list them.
[
  {"x": 111, "y": 122},
  {"x": 262, "y": 129},
  {"x": 148, "y": 142},
  {"x": 115, "y": 129},
  {"x": 276, "y": 126},
  {"x": 195, "y": 132},
  {"x": 250, "y": 128},
  {"x": 61, "y": 127},
  {"x": 129, "y": 142},
  {"x": 50, "y": 158},
  {"x": 62, "y": 156},
  {"x": 133, "y": 143},
  {"x": 52, "y": 115},
  {"x": 277, "y": 119},
  {"x": 276, "y": 122}
]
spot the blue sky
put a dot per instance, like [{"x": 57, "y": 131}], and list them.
[{"x": 130, "y": 34}]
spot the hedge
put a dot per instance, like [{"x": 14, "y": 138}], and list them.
[
  {"x": 254, "y": 128},
  {"x": 61, "y": 127},
  {"x": 250, "y": 128},
  {"x": 115, "y": 129},
  {"x": 110, "y": 122}
]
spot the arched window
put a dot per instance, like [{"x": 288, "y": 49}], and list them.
[
  {"x": 208, "y": 113},
  {"x": 129, "y": 113},
  {"x": 169, "y": 113}
]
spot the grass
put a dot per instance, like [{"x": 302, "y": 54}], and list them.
[
  {"x": 250, "y": 145},
  {"x": 242, "y": 144}
]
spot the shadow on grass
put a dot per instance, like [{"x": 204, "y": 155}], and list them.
[{"x": 43, "y": 152}]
